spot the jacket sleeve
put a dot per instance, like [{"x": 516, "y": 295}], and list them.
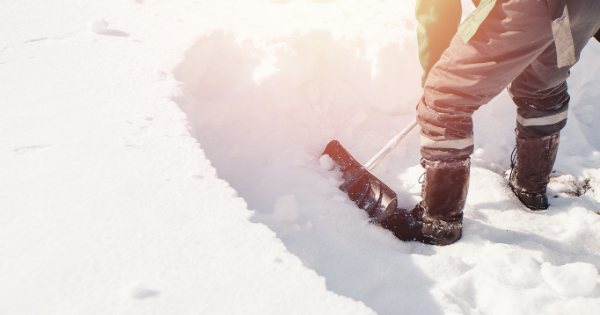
[{"x": 438, "y": 22}]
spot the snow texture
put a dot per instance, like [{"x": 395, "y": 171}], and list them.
[
  {"x": 576, "y": 279},
  {"x": 165, "y": 157}
]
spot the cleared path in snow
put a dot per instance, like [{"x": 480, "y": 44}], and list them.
[{"x": 263, "y": 109}]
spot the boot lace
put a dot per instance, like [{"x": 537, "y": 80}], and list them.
[{"x": 513, "y": 158}]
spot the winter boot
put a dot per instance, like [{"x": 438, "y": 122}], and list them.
[
  {"x": 530, "y": 169},
  {"x": 437, "y": 219}
]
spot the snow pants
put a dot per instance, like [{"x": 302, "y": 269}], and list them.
[{"x": 514, "y": 47}]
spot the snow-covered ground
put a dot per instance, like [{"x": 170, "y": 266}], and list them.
[{"x": 163, "y": 157}]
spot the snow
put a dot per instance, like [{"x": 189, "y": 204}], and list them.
[
  {"x": 576, "y": 279},
  {"x": 326, "y": 162},
  {"x": 164, "y": 157},
  {"x": 97, "y": 25},
  {"x": 286, "y": 208}
]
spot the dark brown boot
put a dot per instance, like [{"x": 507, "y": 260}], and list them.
[
  {"x": 530, "y": 169},
  {"x": 438, "y": 218}
]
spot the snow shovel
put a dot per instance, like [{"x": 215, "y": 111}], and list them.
[{"x": 367, "y": 191}]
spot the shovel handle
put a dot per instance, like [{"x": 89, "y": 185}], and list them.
[{"x": 390, "y": 146}]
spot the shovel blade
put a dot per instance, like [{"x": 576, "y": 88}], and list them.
[{"x": 365, "y": 189}]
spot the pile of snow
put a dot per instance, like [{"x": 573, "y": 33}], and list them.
[{"x": 97, "y": 25}]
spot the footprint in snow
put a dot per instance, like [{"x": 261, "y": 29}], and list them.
[
  {"x": 100, "y": 27},
  {"x": 137, "y": 291},
  {"x": 32, "y": 149}
]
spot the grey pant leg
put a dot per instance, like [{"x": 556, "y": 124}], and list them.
[
  {"x": 540, "y": 91},
  {"x": 515, "y": 34}
]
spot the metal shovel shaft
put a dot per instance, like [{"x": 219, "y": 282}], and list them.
[{"x": 390, "y": 146}]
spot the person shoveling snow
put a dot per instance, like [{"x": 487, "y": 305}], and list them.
[{"x": 528, "y": 47}]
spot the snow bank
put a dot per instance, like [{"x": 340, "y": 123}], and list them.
[{"x": 107, "y": 204}]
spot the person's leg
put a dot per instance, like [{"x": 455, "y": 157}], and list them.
[
  {"x": 540, "y": 93},
  {"x": 467, "y": 76},
  {"x": 540, "y": 90},
  {"x": 510, "y": 40}
]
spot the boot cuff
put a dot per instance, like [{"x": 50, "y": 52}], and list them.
[{"x": 445, "y": 164}]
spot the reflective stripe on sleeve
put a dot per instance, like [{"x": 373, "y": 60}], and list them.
[
  {"x": 446, "y": 144},
  {"x": 543, "y": 121}
]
